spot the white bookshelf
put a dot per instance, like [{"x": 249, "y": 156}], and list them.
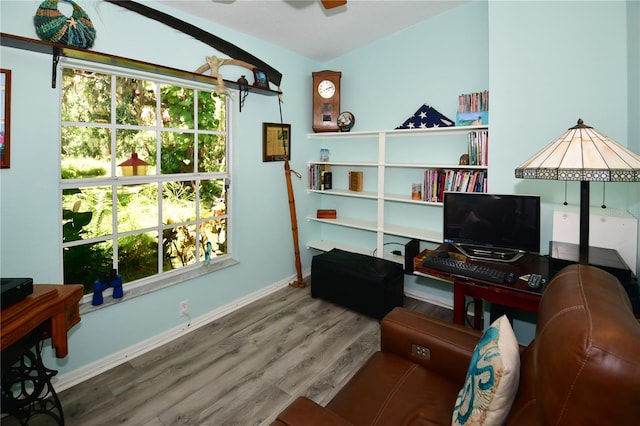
[{"x": 391, "y": 160}]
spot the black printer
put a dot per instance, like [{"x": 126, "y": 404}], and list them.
[{"x": 14, "y": 290}]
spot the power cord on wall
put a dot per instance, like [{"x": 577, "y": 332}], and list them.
[{"x": 396, "y": 252}]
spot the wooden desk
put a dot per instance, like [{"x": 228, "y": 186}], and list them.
[
  {"x": 514, "y": 295},
  {"x": 49, "y": 312}
]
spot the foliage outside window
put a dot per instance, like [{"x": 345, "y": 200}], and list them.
[{"x": 169, "y": 217}]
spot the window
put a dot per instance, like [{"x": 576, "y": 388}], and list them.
[{"x": 144, "y": 176}]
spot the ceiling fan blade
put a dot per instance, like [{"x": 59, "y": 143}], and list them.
[{"x": 330, "y": 4}]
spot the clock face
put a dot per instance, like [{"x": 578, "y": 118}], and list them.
[{"x": 326, "y": 88}]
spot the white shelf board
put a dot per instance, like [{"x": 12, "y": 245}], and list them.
[
  {"x": 367, "y": 225},
  {"x": 393, "y": 132},
  {"x": 435, "y": 166},
  {"x": 420, "y": 234},
  {"x": 453, "y": 130},
  {"x": 346, "y": 193},
  {"x": 344, "y": 163},
  {"x": 405, "y": 198},
  {"x": 342, "y": 135}
]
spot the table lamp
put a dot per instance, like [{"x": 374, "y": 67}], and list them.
[{"x": 583, "y": 154}]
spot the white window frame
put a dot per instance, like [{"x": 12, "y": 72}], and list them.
[{"x": 163, "y": 278}]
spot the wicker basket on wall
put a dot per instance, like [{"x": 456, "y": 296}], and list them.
[{"x": 52, "y": 25}]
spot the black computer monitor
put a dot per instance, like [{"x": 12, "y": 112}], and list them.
[{"x": 497, "y": 227}]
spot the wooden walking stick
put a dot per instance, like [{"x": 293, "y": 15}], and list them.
[{"x": 298, "y": 283}]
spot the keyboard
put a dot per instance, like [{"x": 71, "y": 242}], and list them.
[{"x": 470, "y": 270}]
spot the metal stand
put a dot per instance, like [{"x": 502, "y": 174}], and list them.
[{"x": 27, "y": 391}]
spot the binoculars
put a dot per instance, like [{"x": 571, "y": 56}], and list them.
[{"x": 112, "y": 280}]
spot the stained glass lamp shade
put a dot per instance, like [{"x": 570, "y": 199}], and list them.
[{"x": 583, "y": 154}]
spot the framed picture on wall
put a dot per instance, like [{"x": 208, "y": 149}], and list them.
[
  {"x": 5, "y": 118},
  {"x": 276, "y": 143}
]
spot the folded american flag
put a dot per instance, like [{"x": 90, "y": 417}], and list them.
[{"x": 426, "y": 116}]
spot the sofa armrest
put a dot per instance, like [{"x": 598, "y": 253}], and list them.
[
  {"x": 304, "y": 411},
  {"x": 446, "y": 347}
]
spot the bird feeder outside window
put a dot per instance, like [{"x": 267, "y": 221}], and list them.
[{"x": 134, "y": 166}]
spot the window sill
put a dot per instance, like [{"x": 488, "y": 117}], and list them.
[{"x": 151, "y": 285}]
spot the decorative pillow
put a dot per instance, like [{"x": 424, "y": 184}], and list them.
[{"x": 492, "y": 379}]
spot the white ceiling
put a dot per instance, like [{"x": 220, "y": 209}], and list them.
[{"x": 305, "y": 27}]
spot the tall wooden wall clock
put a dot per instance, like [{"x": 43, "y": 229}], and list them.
[{"x": 326, "y": 100}]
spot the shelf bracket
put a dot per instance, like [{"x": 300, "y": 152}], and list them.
[{"x": 54, "y": 66}]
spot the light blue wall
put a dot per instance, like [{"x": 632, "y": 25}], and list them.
[
  {"x": 544, "y": 77},
  {"x": 583, "y": 62},
  {"x": 546, "y": 64},
  {"x": 433, "y": 62},
  {"x": 551, "y": 63},
  {"x": 29, "y": 221}
]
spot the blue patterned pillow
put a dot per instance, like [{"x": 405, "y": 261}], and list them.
[{"x": 492, "y": 379}]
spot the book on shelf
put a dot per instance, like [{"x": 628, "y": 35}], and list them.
[
  {"x": 355, "y": 181},
  {"x": 473, "y": 109},
  {"x": 437, "y": 181},
  {"x": 478, "y": 144},
  {"x": 317, "y": 176},
  {"x": 326, "y": 178},
  {"x": 473, "y": 102}
]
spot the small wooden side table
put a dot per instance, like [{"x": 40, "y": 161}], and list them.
[{"x": 49, "y": 312}]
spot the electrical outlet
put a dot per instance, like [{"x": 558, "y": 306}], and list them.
[
  {"x": 184, "y": 308},
  {"x": 420, "y": 351}
]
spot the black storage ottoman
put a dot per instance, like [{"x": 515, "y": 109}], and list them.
[{"x": 366, "y": 284}]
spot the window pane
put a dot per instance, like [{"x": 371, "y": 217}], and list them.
[
  {"x": 140, "y": 142},
  {"x": 85, "y": 152},
  {"x": 212, "y": 198},
  {"x": 86, "y": 213},
  {"x": 135, "y": 102},
  {"x": 136, "y": 200},
  {"x": 137, "y": 207},
  {"x": 178, "y": 202},
  {"x": 212, "y": 150},
  {"x": 83, "y": 264},
  {"x": 214, "y": 232},
  {"x": 86, "y": 96},
  {"x": 179, "y": 244},
  {"x": 177, "y": 107},
  {"x": 138, "y": 256},
  {"x": 211, "y": 111},
  {"x": 177, "y": 155}
]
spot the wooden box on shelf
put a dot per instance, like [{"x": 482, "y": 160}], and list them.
[{"x": 326, "y": 214}]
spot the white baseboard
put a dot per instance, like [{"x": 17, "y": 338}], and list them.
[{"x": 72, "y": 378}]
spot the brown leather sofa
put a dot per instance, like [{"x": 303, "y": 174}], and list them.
[{"x": 583, "y": 367}]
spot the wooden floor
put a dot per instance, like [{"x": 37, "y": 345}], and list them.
[{"x": 242, "y": 369}]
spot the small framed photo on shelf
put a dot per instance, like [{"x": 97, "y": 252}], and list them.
[
  {"x": 276, "y": 141},
  {"x": 260, "y": 79}
]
